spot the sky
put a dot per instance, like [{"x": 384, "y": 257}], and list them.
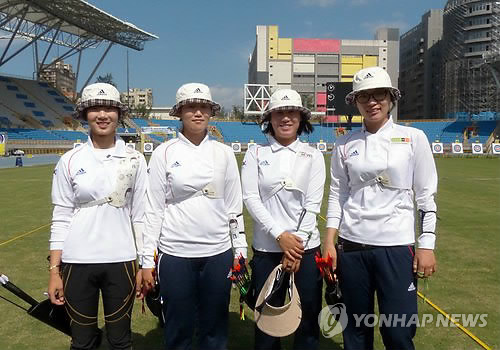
[{"x": 210, "y": 41}]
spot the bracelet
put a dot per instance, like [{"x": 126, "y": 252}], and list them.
[
  {"x": 278, "y": 238},
  {"x": 53, "y": 267}
]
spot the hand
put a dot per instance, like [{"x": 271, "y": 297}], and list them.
[
  {"x": 291, "y": 245},
  {"x": 55, "y": 290},
  {"x": 148, "y": 281},
  {"x": 138, "y": 285},
  {"x": 290, "y": 265},
  {"x": 329, "y": 249},
  {"x": 236, "y": 262},
  {"x": 424, "y": 263}
]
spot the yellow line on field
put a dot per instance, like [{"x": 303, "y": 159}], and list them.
[
  {"x": 24, "y": 234},
  {"x": 462, "y": 328}
]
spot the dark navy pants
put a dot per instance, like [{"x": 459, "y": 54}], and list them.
[
  {"x": 196, "y": 294},
  {"x": 388, "y": 272},
  {"x": 309, "y": 285}
]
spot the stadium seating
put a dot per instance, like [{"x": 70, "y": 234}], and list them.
[
  {"x": 70, "y": 135},
  {"x": 240, "y": 132},
  {"x": 43, "y": 135},
  {"x": 435, "y": 130},
  {"x": 485, "y": 128},
  {"x": 34, "y": 99},
  {"x": 140, "y": 122},
  {"x": 450, "y": 131},
  {"x": 246, "y": 132}
]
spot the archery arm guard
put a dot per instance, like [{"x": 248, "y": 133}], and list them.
[
  {"x": 427, "y": 237},
  {"x": 238, "y": 237},
  {"x": 139, "y": 240}
]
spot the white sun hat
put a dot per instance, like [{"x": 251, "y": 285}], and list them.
[
  {"x": 278, "y": 321},
  {"x": 99, "y": 94},
  {"x": 193, "y": 93},
  {"x": 371, "y": 78},
  {"x": 286, "y": 99}
]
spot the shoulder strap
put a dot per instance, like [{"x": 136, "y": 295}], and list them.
[{"x": 127, "y": 170}]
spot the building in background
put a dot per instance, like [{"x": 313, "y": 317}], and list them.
[
  {"x": 307, "y": 64},
  {"x": 419, "y": 68},
  {"x": 61, "y": 76},
  {"x": 471, "y": 58},
  {"x": 138, "y": 97}
]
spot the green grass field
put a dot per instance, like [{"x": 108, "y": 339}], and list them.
[{"x": 467, "y": 281}]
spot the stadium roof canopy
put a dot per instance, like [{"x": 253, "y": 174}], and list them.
[
  {"x": 74, "y": 24},
  {"x": 67, "y": 19}
]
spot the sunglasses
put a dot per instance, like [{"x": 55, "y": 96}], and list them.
[{"x": 378, "y": 95}]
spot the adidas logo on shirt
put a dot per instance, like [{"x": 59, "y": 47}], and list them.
[
  {"x": 80, "y": 172},
  {"x": 197, "y": 91},
  {"x": 176, "y": 164},
  {"x": 264, "y": 162},
  {"x": 411, "y": 288},
  {"x": 355, "y": 153}
]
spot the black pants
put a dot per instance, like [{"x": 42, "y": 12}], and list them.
[
  {"x": 196, "y": 293},
  {"x": 116, "y": 282},
  {"x": 387, "y": 271},
  {"x": 309, "y": 284}
]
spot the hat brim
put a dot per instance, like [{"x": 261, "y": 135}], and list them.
[
  {"x": 176, "y": 109},
  {"x": 350, "y": 99},
  {"x": 306, "y": 113},
  {"x": 82, "y": 106},
  {"x": 278, "y": 321}
]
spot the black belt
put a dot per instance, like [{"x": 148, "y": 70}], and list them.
[
  {"x": 350, "y": 246},
  {"x": 345, "y": 245}
]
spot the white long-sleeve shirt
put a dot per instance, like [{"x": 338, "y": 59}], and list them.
[
  {"x": 101, "y": 233},
  {"x": 178, "y": 220},
  {"x": 371, "y": 213},
  {"x": 264, "y": 167}
]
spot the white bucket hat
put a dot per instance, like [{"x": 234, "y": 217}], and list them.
[
  {"x": 193, "y": 92},
  {"x": 286, "y": 99},
  {"x": 371, "y": 78},
  {"x": 278, "y": 321},
  {"x": 99, "y": 94}
]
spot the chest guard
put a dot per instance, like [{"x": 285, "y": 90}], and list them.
[
  {"x": 215, "y": 188},
  {"x": 127, "y": 169},
  {"x": 393, "y": 175},
  {"x": 298, "y": 179}
]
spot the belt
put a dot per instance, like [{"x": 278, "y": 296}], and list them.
[{"x": 344, "y": 245}]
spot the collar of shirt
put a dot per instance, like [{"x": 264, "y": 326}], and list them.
[
  {"x": 276, "y": 146},
  {"x": 387, "y": 126},
  {"x": 189, "y": 143},
  {"x": 117, "y": 151}
]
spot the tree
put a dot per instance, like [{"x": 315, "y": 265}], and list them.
[
  {"x": 142, "y": 111},
  {"x": 308, "y": 101},
  {"x": 222, "y": 112},
  {"x": 108, "y": 79},
  {"x": 238, "y": 113}
]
